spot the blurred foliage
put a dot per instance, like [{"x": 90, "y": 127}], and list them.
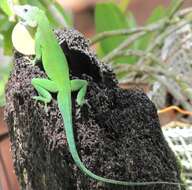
[
  {"x": 4, "y": 73},
  {"x": 5, "y": 7},
  {"x": 135, "y": 52},
  {"x": 123, "y": 4},
  {"x": 109, "y": 16},
  {"x": 158, "y": 13}
]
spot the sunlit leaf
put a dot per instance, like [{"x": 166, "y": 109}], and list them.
[
  {"x": 157, "y": 14},
  {"x": 7, "y": 44},
  {"x": 108, "y": 17},
  {"x": 4, "y": 73},
  {"x": 123, "y": 4},
  {"x": 132, "y": 24},
  {"x": 5, "y": 6},
  {"x": 66, "y": 15},
  {"x": 171, "y": 5},
  {"x": 2, "y": 97}
]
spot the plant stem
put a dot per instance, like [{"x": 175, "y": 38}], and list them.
[
  {"x": 137, "y": 53},
  {"x": 182, "y": 13},
  {"x": 136, "y": 36},
  {"x": 175, "y": 9},
  {"x": 160, "y": 75},
  {"x": 117, "y": 52},
  {"x": 175, "y": 93},
  {"x": 123, "y": 32},
  {"x": 152, "y": 27},
  {"x": 122, "y": 46},
  {"x": 56, "y": 13}
]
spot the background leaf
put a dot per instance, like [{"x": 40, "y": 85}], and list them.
[
  {"x": 5, "y": 6},
  {"x": 157, "y": 14},
  {"x": 123, "y": 4},
  {"x": 108, "y": 17},
  {"x": 5, "y": 68}
]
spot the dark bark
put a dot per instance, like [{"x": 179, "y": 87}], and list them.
[{"x": 118, "y": 134}]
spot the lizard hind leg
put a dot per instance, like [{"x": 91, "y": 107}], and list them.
[
  {"x": 43, "y": 87},
  {"x": 80, "y": 85}
]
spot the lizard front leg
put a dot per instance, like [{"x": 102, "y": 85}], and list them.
[
  {"x": 80, "y": 85},
  {"x": 43, "y": 87}
]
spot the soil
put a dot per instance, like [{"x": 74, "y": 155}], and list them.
[{"x": 117, "y": 131}]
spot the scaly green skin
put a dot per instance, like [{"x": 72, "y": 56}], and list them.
[{"x": 56, "y": 68}]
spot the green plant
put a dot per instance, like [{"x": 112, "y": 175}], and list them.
[{"x": 115, "y": 27}]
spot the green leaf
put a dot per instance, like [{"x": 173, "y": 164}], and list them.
[
  {"x": 5, "y": 6},
  {"x": 123, "y": 4},
  {"x": 4, "y": 73},
  {"x": 7, "y": 43},
  {"x": 108, "y": 17},
  {"x": 32, "y": 2},
  {"x": 132, "y": 24},
  {"x": 6, "y": 30},
  {"x": 157, "y": 14},
  {"x": 66, "y": 15},
  {"x": 171, "y": 5},
  {"x": 2, "y": 95}
]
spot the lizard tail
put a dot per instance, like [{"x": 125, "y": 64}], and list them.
[{"x": 65, "y": 107}]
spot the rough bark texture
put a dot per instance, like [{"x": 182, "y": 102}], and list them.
[{"x": 118, "y": 135}]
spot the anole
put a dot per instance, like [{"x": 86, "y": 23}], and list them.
[{"x": 56, "y": 67}]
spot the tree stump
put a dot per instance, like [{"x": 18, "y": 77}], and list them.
[{"x": 117, "y": 131}]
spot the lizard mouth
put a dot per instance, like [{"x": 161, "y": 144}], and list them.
[
  {"x": 28, "y": 24},
  {"x": 23, "y": 22}
]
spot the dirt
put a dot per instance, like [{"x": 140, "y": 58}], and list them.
[{"x": 117, "y": 131}]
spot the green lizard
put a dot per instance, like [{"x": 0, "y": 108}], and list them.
[{"x": 56, "y": 68}]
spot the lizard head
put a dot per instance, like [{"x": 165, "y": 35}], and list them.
[{"x": 28, "y": 14}]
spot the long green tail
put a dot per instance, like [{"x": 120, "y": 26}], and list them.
[{"x": 64, "y": 103}]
